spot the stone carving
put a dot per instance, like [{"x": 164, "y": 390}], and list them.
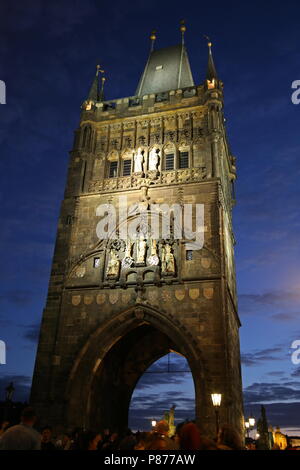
[
  {"x": 141, "y": 246},
  {"x": 113, "y": 297},
  {"x": 167, "y": 260},
  {"x": 76, "y": 299},
  {"x": 194, "y": 293},
  {"x": 153, "y": 159},
  {"x": 208, "y": 292},
  {"x": 179, "y": 294},
  {"x": 169, "y": 177},
  {"x": 153, "y": 259},
  {"x": 128, "y": 261},
  {"x": 138, "y": 161},
  {"x": 113, "y": 266},
  {"x": 80, "y": 271},
  {"x": 124, "y": 183},
  {"x": 184, "y": 175},
  {"x": 100, "y": 299}
]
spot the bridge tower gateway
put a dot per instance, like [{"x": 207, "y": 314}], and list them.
[{"x": 116, "y": 305}]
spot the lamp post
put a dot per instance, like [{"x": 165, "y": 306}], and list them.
[
  {"x": 247, "y": 426},
  {"x": 251, "y": 421},
  {"x": 153, "y": 423},
  {"x": 216, "y": 400}
]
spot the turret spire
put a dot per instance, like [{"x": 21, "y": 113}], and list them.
[
  {"x": 152, "y": 38},
  {"x": 183, "y": 30},
  {"x": 96, "y": 92},
  {"x": 211, "y": 69}
]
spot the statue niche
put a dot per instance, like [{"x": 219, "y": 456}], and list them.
[
  {"x": 113, "y": 265},
  {"x": 153, "y": 162},
  {"x": 167, "y": 260},
  {"x": 139, "y": 161}
]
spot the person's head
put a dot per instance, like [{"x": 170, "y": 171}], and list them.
[
  {"x": 4, "y": 425},
  {"x": 89, "y": 440},
  {"x": 229, "y": 437},
  {"x": 113, "y": 437},
  {"x": 162, "y": 427},
  {"x": 28, "y": 416},
  {"x": 46, "y": 434},
  {"x": 156, "y": 442},
  {"x": 141, "y": 440},
  {"x": 189, "y": 437}
]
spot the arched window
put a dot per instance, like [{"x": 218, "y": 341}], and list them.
[{"x": 86, "y": 137}]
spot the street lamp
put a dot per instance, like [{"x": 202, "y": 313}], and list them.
[
  {"x": 247, "y": 426},
  {"x": 153, "y": 423},
  {"x": 251, "y": 421},
  {"x": 216, "y": 400}
]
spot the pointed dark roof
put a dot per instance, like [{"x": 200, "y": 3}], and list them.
[
  {"x": 211, "y": 69},
  {"x": 96, "y": 91},
  {"x": 166, "y": 69}
]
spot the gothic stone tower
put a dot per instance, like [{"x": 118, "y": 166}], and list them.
[{"x": 113, "y": 308}]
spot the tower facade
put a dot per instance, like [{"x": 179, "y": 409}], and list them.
[{"x": 116, "y": 304}]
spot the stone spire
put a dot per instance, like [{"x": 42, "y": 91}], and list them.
[
  {"x": 211, "y": 69},
  {"x": 96, "y": 92}
]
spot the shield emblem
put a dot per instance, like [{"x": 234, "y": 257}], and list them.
[
  {"x": 113, "y": 297},
  {"x": 76, "y": 299},
  {"x": 179, "y": 294},
  {"x": 194, "y": 293},
  {"x": 80, "y": 271},
  {"x": 152, "y": 295},
  {"x": 88, "y": 299},
  {"x": 206, "y": 262},
  {"x": 100, "y": 299},
  {"x": 166, "y": 296},
  {"x": 208, "y": 292},
  {"x": 125, "y": 297}
]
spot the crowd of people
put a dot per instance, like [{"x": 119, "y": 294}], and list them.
[{"x": 187, "y": 437}]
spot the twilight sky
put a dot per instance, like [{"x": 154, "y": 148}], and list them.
[{"x": 48, "y": 54}]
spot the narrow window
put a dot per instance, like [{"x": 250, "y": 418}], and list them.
[
  {"x": 113, "y": 170},
  {"x": 96, "y": 262},
  {"x": 183, "y": 159},
  {"x": 189, "y": 255},
  {"x": 126, "y": 167},
  {"x": 169, "y": 161}
]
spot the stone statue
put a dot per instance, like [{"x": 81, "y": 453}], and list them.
[
  {"x": 170, "y": 261},
  {"x": 153, "y": 259},
  {"x": 138, "y": 161},
  {"x": 153, "y": 160},
  {"x": 128, "y": 260},
  {"x": 141, "y": 246},
  {"x": 113, "y": 266}
]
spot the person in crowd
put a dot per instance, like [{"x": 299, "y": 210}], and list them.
[
  {"x": 22, "y": 436},
  {"x": 89, "y": 440},
  {"x": 4, "y": 426},
  {"x": 141, "y": 438},
  {"x": 112, "y": 443},
  {"x": 189, "y": 437},
  {"x": 64, "y": 442},
  {"x": 46, "y": 442},
  {"x": 229, "y": 439},
  {"x": 156, "y": 442},
  {"x": 128, "y": 441},
  {"x": 161, "y": 430}
]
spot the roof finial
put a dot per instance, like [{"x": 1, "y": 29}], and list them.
[
  {"x": 182, "y": 29},
  {"x": 101, "y": 94},
  {"x": 152, "y": 38},
  {"x": 211, "y": 69},
  {"x": 98, "y": 69}
]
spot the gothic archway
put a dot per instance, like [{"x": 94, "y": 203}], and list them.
[{"x": 113, "y": 359}]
